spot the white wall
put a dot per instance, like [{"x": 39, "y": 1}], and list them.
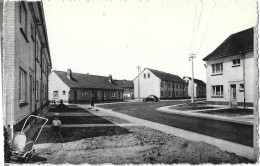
[
  {"x": 148, "y": 87},
  {"x": 232, "y": 75},
  {"x": 56, "y": 84}
]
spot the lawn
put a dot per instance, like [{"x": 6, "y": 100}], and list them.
[
  {"x": 189, "y": 107},
  {"x": 234, "y": 132},
  {"x": 229, "y": 112},
  {"x": 88, "y": 120}
]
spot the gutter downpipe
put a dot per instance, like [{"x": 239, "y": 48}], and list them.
[
  {"x": 243, "y": 54},
  {"x": 35, "y": 63}
]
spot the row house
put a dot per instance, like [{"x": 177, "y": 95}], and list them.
[
  {"x": 128, "y": 87},
  {"x": 26, "y": 62},
  {"x": 231, "y": 71},
  {"x": 161, "y": 84},
  {"x": 199, "y": 87},
  {"x": 81, "y": 88}
]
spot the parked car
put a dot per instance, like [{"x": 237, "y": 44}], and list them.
[{"x": 151, "y": 98}]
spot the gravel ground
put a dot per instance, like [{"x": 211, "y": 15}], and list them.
[
  {"x": 229, "y": 112},
  {"x": 88, "y": 120},
  {"x": 125, "y": 145}
]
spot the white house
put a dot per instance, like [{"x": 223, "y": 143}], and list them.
[
  {"x": 230, "y": 71},
  {"x": 199, "y": 87},
  {"x": 161, "y": 84}
]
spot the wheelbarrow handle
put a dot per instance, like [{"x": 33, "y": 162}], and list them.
[{"x": 46, "y": 120}]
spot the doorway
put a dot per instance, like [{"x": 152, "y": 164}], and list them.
[
  {"x": 233, "y": 95},
  {"x": 75, "y": 96}
]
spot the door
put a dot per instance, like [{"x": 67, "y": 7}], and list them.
[
  {"x": 233, "y": 95},
  {"x": 75, "y": 96}
]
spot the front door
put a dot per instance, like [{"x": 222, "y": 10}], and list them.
[
  {"x": 233, "y": 95},
  {"x": 75, "y": 96}
]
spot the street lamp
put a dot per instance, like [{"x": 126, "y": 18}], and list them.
[{"x": 192, "y": 79}]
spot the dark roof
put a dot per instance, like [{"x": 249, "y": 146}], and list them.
[
  {"x": 167, "y": 76},
  {"x": 198, "y": 82},
  {"x": 124, "y": 83},
  {"x": 87, "y": 81},
  {"x": 241, "y": 41}
]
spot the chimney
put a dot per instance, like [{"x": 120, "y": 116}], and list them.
[
  {"x": 69, "y": 73},
  {"x": 110, "y": 78}
]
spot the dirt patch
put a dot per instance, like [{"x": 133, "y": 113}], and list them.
[
  {"x": 88, "y": 120},
  {"x": 67, "y": 108},
  {"x": 229, "y": 112},
  {"x": 125, "y": 145}
]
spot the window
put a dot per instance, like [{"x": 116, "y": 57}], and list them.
[
  {"x": 64, "y": 92},
  {"x": 55, "y": 94},
  {"x": 176, "y": 86},
  {"x": 113, "y": 94},
  {"x": 169, "y": 85},
  {"x": 37, "y": 97},
  {"x": 144, "y": 75},
  {"x": 32, "y": 32},
  {"x": 180, "y": 86},
  {"x": 23, "y": 19},
  {"x": 162, "y": 94},
  {"x": 162, "y": 84},
  {"x": 22, "y": 86},
  {"x": 177, "y": 94},
  {"x": 148, "y": 75},
  {"x": 38, "y": 46},
  {"x": 217, "y": 90},
  {"x": 236, "y": 62},
  {"x": 105, "y": 94},
  {"x": 217, "y": 68},
  {"x": 241, "y": 87},
  {"x": 84, "y": 94},
  {"x": 169, "y": 93},
  {"x": 165, "y": 84}
]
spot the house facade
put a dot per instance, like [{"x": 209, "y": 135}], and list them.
[
  {"x": 199, "y": 87},
  {"x": 128, "y": 87},
  {"x": 80, "y": 88},
  {"x": 161, "y": 84},
  {"x": 26, "y": 62},
  {"x": 230, "y": 71}
]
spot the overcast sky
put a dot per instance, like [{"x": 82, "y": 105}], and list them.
[{"x": 113, "y": 37}]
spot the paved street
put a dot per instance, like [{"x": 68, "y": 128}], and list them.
[{"x": 234, "y": 132}]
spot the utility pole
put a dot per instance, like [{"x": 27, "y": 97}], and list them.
[
  {"x": 192, "y": 79},
  {"x": 138, "y": 68}
]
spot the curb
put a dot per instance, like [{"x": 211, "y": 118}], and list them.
[{"x": 201, "y": 115}]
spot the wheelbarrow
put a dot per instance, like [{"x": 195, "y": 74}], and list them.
[{"x": 23, "y": 151}]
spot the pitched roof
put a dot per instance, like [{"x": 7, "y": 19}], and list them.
[
  {"x": 87, "y": 81},
  {"x": 198, "y": 82},
  {"x": 241, "y": 41},
  {"x": 124, "y": 83},
  {"x": 167, "y": 76}
]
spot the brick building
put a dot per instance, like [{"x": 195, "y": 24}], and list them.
[
  {"x": 231, "y": 70},
  {"x": 79, "y": 88},
  {"x": 161, "y": 84},
  {"x": 26, "y": 62}
]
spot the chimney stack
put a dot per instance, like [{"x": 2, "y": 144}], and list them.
[
  {"x": 110, "y": 78},
  {"x": 69, "y": 73}
]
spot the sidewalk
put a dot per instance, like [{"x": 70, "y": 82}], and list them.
[
  {"x": 238, "y": 149},
  {"x": 239, "y": 119}
]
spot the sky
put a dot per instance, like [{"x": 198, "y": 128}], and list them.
[{"x": 114, "y": 37}]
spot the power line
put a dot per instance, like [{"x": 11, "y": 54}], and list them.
[
  {"x": 197, "y": 26},
  {"x": 207, "y": 28},
  {"x": 193, "y": 28}
]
